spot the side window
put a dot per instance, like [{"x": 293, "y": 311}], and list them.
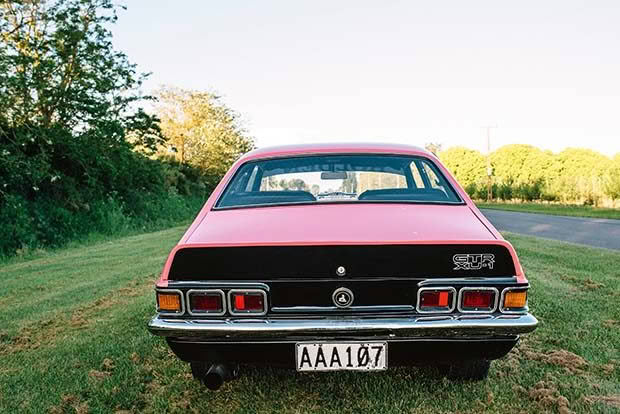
[{"x": 417, "y": 177}]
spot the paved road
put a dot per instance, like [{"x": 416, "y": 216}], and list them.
[{"x": 590, "y": 231}]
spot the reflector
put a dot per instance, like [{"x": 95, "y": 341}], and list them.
[
  {"x": 170, "y": 302},
  {"x": 515, "y": 299}
]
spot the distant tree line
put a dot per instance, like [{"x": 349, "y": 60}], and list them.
[
  {"x": 78, "y": 154},
  {"x": 524, "y": 172}
]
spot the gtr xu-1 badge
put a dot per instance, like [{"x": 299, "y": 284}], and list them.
[{"x": 473, "y": 261}]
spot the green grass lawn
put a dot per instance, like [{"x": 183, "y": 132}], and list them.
[
  {"x": 73, "y": 338},
  {"x": 555, "y": 209}
]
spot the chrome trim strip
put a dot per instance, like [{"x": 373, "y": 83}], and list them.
[
  {"x": 207, "y": 313},
  {"x": 246, "y": 313},
  {"x": 469, "y": 280},
  {"x": 163, "y": 290},
  {"x": 450, "y": 288},
  {"x": 224, "y": 284},
  {"x": 459, "y": 305},
  {"x": 360, "y": 308},
  {"x": 513, "y": 312},
  {"x": 450, "y": 326}
]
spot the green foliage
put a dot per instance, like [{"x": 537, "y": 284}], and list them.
[
  {"x": 612, "y": 179},
  {"x": 520, "y": 164},
  {"x": 526, "y": 173},
  {"x": 60, "y": 70},
  {"x": 73, "y": 138},
  {"x": 468, "y": 166},
  {"x": 202, "y": 131}
]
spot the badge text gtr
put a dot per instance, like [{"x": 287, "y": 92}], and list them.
[{"x": 473, "y": 261}]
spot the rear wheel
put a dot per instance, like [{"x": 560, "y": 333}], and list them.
[
  {"x": 472, "y": 370},
  {"x": 199, "y": 370}
]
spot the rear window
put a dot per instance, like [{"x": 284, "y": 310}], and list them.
[{"x": 337, "y": 178}]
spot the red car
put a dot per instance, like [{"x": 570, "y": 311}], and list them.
[{"x": 341, "y": 257}]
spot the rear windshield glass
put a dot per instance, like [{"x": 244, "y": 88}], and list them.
[{"x": 337, "y": 178}]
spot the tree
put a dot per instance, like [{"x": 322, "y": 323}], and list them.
[
  {"x": 520, "y": 164},
  {"x": 67, "y": 100},
  {"x": 521, "y": 171},
  {"x": 201, "y": 130},
  {"x": 578, "y": 175},
  {"x": 59, "y": 70},
  {"x": 468, "y": 166},
  {"x": 612, "y": 179}
]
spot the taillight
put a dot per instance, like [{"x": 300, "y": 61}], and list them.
[
  {"x": 170, "y": 301},
  {"x": 478, "y": 300},
  {"x": 250, "y": 301},
  {"x": 207, "y": 301},
  {"x": 436, "y": 300},
  {"x": 514, "y": 300}
]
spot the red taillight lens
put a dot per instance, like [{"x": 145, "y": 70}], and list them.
[
  {"x": 482, "y": 300},
  {"x": 436, "y": 299},
  {"x": 248, "y": 301},
  {"x": 206, "y": 302}
]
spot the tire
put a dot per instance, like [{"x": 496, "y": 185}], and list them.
[
  {"x": 473, "y": 370},
  {"x": 199, "y": 370}
]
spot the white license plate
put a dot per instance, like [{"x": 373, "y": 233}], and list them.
[{"x": 348, "y": 356}]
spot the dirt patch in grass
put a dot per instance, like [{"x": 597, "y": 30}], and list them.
[
  {"x": 586, "y": 283},
  {"x": 98, "y": 375},
  {"x": 611, "y": 400},
  {"x": 47, "y": 331},
  {"x": 545, "y": 394},
  {"x": 68, "y": 402},
  {"x": 573, "y": 363},
  {"x": 609, "y": 368},
  {"x": 107, "y": 366}
]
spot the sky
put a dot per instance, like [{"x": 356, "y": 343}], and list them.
[{"x": 540, "y": 73}]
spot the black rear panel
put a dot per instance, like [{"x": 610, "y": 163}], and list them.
[{"x": 317, "y": 262}]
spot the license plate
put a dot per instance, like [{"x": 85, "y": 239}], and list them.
[{"x": 349, "y": 356}]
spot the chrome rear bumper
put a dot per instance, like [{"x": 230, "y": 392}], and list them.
[{"x": 448, "y": 326}]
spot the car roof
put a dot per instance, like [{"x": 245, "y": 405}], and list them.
[{"x": 334, "y": 148}]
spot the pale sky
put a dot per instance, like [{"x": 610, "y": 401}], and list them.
[{"x": 546, "y": 73}]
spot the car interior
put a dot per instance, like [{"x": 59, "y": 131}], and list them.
[{"x": 407, "y": 179}]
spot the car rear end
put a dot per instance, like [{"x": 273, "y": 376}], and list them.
[
  {"x": 418, "y": 303},
  {"x": 376, "y": 279}
]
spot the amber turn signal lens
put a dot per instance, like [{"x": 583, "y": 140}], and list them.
[
  {"x": 515, "y": 299},
  {"x": 169, "y": 302}
]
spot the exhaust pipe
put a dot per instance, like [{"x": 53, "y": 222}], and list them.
[{"x": 217, "y": 375}]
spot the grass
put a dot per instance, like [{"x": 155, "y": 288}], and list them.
[
  {"x": 555, "y": 209},
  {"x": 73, "y": 339}
]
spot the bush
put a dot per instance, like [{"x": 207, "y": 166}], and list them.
[
  {"x": 472, "y": 190},
  {"x": 523, "y": 172}
]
